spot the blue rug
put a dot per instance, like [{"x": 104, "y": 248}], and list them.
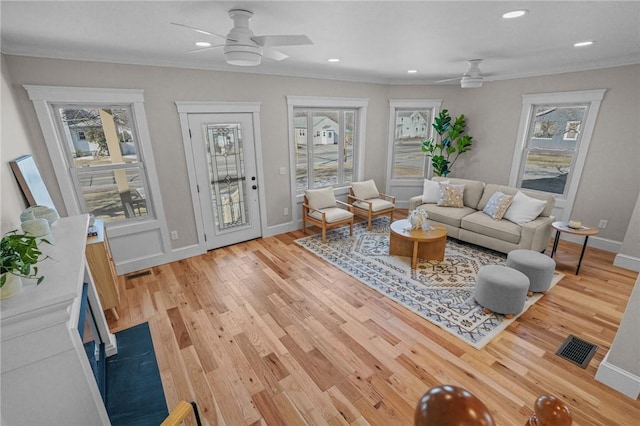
[{"x": 134, "y": 388}]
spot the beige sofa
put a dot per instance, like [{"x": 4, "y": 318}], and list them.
[{"x": 469, "y": 223}]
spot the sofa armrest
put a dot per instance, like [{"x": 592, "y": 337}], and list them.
[
  {"x": 414, "y": 202},
  {"x": 537, "y": 233}
]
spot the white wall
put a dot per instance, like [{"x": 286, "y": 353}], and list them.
[{"x": 611, "y": 178}]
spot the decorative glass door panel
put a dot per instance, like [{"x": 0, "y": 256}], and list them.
[
  {"x": 225, "y": 163},
  {"x": 227, "y": 175}
]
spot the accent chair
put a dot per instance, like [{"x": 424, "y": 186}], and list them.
[
  {"x": 320, "y": 208},
  {"x": 366, "y": 201}
]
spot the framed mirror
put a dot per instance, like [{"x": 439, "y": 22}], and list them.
[{"x": 30, "y": 181}]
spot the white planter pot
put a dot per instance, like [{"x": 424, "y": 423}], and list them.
[{"x": 11, "y": 287}]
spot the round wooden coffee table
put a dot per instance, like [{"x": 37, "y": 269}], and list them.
[
  {"x": 417, "y": 243},
  {"x": 564, "y": 227}
]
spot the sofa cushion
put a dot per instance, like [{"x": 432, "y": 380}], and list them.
[
  {"x": 524, "y": 209},
  {"x": 365, "y": 190},
  {"x": 448, "y": 215},
  {"x": 472, "y": 190},
  {"x": 431, "y": 191},
  {"x": 483, "y": 224},
  {"x": 451, "y": 195}
]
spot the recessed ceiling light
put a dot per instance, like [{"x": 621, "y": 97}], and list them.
[
  {"x": 583, "y": 43},
  {"x": 203, "y": 44},
  {"x": 334, "y": 60},
  {"x": 412, "y": 71},
  {"x": 514, "y": 14}
]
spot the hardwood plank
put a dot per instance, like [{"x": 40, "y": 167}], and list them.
[{"x": 264, "y": 332}]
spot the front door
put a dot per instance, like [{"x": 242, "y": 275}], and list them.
[{"x": 225, "y": 161}]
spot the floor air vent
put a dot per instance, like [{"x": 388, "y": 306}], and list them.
[
  {"x": 577, "y": 351},
  {"x": 138, "y": 274}
]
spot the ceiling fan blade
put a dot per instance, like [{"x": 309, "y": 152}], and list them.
[
  {"x": 205, "y": 48},
  {"x": 448, "y": 79},
  {"x": 201, "y": 31},
  {"x": 282, "y": 40},
  {"x": 276, "y": 55}
]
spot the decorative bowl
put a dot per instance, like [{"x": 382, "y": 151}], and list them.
[{"x": 574, "y": 224}]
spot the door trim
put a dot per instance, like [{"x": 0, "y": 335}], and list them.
[{"x": 203, "y": 107}]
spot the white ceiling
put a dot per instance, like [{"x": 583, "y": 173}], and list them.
[{"x": 377, "y": 41}]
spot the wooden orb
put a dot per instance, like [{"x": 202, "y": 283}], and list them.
[
  {"x": 449, "y": 405},
  {"x": 550, "y": 411}
]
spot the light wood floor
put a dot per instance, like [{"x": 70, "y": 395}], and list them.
[{"x": 266, "y": 333}]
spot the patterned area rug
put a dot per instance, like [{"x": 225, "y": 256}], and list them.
[{"x": 441, "y": 292}]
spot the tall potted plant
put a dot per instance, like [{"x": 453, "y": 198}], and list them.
[
  {"x": 19, "y": 254},
  {"x": 449, "y": 143}
]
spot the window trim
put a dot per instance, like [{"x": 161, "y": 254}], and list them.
[
  {"x": 406, "y": 104},
  {"x": 45, "y": 97},
  {"x": 591, "y": 97},
  {"x": 359, "y": 104}
]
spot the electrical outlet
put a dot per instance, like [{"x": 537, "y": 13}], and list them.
[
  {"x": 283, "y": 170},
  {"x": 603, "y": 223},
  {"x": 286, "y": 211},
  {"x": 174, "y": 235}
]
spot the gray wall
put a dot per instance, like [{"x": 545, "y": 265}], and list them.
[
  {"x": 608, "y": 190},
  {"x": 15, "y": 142}
]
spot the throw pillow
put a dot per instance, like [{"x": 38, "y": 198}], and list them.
[
  {"x": 431, "y": 191},
  {"x": 498, "y": 205},
  {"x": 365, "y": 190},
  {"x": 320, "y": 198},
  {"x": 451, "y": 195},
  {"x": 524, "y": 209}
]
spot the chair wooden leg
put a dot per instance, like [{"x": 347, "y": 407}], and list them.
[
  {"x": 351, "y": 228},
  {"x": 369, "y": 225},
  {"x": 324, "y": 235},
  {"x": 304, "y": 225}
]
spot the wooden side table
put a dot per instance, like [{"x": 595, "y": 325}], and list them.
[
  {"x": 416, "y": 243},
  {"x": 564, "y": 227}
]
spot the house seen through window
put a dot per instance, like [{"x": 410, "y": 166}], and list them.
[{"x": 325, "y": 157}]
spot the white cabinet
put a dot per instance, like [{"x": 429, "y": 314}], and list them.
[{"x": 46, "y": 377}]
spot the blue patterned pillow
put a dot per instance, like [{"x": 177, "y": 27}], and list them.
[{"x": 498, "y": 205}]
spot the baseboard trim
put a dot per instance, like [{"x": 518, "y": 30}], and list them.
[
  {"x": 618, "y": 379},
  {"x": 280, "y": 229},
  {"x": 595, "y": 242},
  {"x": 149, "y": 262},
  {"x": 627, "y": 262}
]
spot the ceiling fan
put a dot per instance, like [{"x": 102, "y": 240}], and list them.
[
  {"x": 472, "y": 78},
  {"x": 243, "y": 48}
]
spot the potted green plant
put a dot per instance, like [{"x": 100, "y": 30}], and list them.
[
  {"x": 449, "y": 142},
  {"x": 19, "y": 254}
]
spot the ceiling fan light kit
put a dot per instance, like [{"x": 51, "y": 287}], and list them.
[
  {"x": 471, "y": 82},
  {"x": 242, "y": 48}
]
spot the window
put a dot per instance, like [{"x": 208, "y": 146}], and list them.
[
  {"x": 96, "y": 137},
  {"x": 330, "y": 156},
  {"x": 411, "y": 123},
  {"x": 109, "y": 177},
  {"x": 554, "y": 140}
]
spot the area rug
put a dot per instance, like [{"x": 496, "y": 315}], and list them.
[
  {"x": 134, "y": 389},
  {"x": 439, "y": 291}
]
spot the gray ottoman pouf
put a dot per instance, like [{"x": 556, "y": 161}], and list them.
[
  {"x": 501, "y": 289},
  {"x": 536, "y": 266}
]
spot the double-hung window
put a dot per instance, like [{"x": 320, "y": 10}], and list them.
[
  {"x": 106, "y": 168},
  {"x": 98, "y": 139},
  {"x": 326, "y": 145},
  {"x": 553, "y": 140}
]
